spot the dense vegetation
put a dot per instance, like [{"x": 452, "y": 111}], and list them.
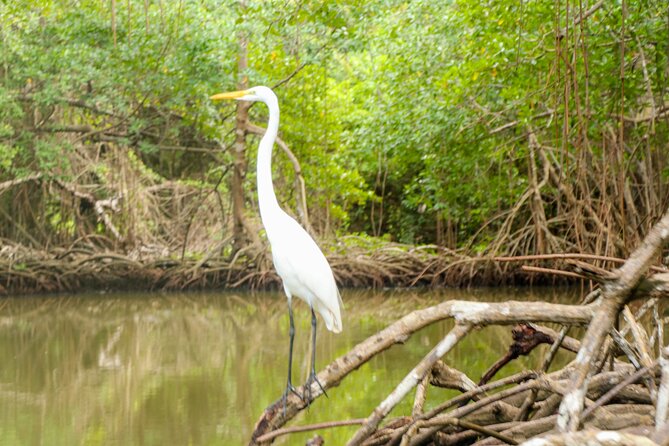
[{"x": 491, "y": 127}]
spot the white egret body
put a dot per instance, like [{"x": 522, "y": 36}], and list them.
[{"x": 303, "y": 268}]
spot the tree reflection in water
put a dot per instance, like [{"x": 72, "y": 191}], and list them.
[{"x": 199, "y": 368}]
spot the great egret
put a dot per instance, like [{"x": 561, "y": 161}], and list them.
[{"x": 303, "y": 268}]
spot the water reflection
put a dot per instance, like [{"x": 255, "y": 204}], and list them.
[{"x": 198, "y": 369}]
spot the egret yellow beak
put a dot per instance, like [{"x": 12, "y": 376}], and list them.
[{"x": 229, "y": 95}]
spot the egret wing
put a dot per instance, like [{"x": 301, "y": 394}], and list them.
[{"x": 305, "y": 271}]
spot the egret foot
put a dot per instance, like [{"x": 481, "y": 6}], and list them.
[
  {"x": 289, "y": 389},
  {"x": 308, "y": 397}
]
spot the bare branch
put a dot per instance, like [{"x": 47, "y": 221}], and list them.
[{"x": 614, "y": 295}]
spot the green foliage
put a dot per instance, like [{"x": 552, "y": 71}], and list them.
[{"x": 396, "y": 110}]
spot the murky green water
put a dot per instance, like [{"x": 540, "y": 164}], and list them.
[{"x": 198, "y": 369}]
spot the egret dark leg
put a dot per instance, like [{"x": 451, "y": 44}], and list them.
[
  {"x": 289, "y": 386},
  {"x": 312, "y": 376}
]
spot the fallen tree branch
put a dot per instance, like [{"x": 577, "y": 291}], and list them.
[
  {"x": 457, "y": 422},
  {"x": 608, "y": 396},
  {"x": 310, "y": 427},
  {"x": 447, "y": 377},
  {"x": 591, "y": 438},
  {"x": 409, "y": 382},
  {"x": 463, "y": 312},
  {"x": 614, "y": 294}
]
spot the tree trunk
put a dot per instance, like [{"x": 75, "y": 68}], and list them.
[{"x": 239, "y": 148}]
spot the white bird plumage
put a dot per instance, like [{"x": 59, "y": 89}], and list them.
[{"x": 304, "y": 270}]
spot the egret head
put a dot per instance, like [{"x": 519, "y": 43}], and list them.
[{"x": 253, "y": 94}]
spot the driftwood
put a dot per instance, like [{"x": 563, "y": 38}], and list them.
[{"x": 615, "y": 391}]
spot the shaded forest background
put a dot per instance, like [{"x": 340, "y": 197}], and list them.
[{"x": 415, "y": 136}]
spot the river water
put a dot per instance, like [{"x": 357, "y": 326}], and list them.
[{"x": 198, "y": 369}]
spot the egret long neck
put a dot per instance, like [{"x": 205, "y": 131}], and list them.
[{"x": 266, "y": 197}]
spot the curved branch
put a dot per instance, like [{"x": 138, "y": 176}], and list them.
[
  {"x": 16, "y": 181},
  {"x": 464, "y": 313},
  {"x": 310, "y": 427}
]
